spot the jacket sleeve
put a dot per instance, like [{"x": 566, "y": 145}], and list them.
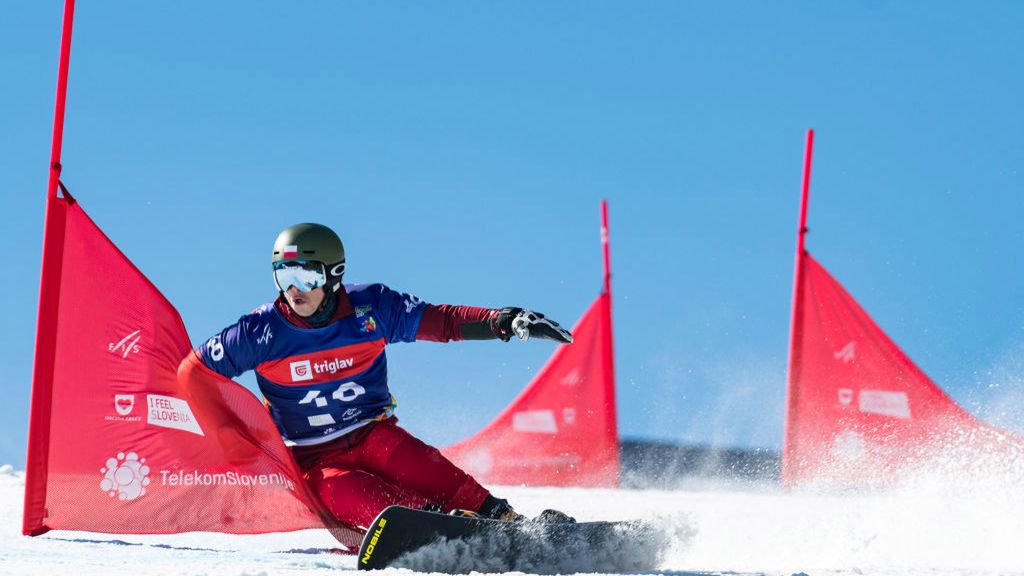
[
  {"x": 400, "y": 313},
  {"x": 234, "y": 351},
  {"x": 446, "y": 323}
]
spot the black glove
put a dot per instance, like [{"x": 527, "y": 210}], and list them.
[{"x": 526, "y": 323}]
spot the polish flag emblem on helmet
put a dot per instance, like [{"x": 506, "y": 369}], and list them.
[{"x": 290, "y": 251}]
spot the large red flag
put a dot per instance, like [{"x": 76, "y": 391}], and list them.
[
  {"x": 561, "y": 430},
  {"x": 860, "y": 412},
  {"x": 116, "y": 444}
]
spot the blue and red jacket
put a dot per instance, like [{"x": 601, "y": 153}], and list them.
[{"x": 321, "y": 383}]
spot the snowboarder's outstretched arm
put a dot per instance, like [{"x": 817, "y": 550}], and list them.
[{"x": 444, "y": 323}]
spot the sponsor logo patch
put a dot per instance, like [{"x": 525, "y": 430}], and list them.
[
  {"x": 569, "y": 416},
  {"x": 885, "y": 403},
  {"x": 334, "y": 365},
  {"x": 265, "y": 336},
  {"x": 373, "y": 540},
  {"x": 125, "y": 476},
  {"x": 847, "y": 354},
  {"x": 368, "y": 325},
  {"x": 411, "y": 302},
  {"x": 538, "y": 421},
  {"x": 572, "y": 378},
  {"x": 124, "y": 406},
  {"x": 170, "y": 412},
  {"x": 124, "y": 403},
  {"x": 845, "y": 396},
  {"x": 301, "y": 370},
  {"x": 127, "y": 345}
]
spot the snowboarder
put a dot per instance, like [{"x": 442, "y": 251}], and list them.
[{"x": 318, "y": 353}]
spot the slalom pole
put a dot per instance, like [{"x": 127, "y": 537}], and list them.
[
  {"x": 49, "y": 298},
  {"x": 797, "y": 313},
  {"x": 605, "y": 248},
  {"x": 608, "y": 343},
  {"x": 62, "y": 92}
]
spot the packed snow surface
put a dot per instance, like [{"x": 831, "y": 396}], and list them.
[{"x": 931, "y": 528}]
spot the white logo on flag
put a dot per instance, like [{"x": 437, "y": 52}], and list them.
[
  {"x": 124, "y": 403},
  {"x": 540, "y": 421},
  {"x": 845, "y": 396},
  {"x": 572, "y": 378},
  {"x": 170, "y": 412},
  {"x": 125, "y": 476},
  {"x": 848, "y": 353},
  {"x": 124, "y": 347},
  {"x": 479, "y": 462},
  {"x": 848, "y": 446},
  {"x": 895, "y": 404},
  {"x": 301, "y": 371},
  {"x": 569, "y": 416}
]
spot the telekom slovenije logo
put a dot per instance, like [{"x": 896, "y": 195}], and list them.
[
  {"x": 301, "y": 371},
  {"x": 125, "y": 476}
]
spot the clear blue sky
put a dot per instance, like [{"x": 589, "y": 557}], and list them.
[{"x": 461, "y": 150}]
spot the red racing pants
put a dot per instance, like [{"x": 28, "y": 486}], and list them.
[{"x": 379, "y": 465}]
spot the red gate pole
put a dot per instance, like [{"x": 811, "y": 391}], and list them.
[
  {"x": 788, "y": 471},
  {"x": 608, "y": 342},
  {"x": 49, "y": 299},
  {"x": 62, "y": 92}
]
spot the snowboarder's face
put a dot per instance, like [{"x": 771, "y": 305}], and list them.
[{"x": 304, "y": 303}]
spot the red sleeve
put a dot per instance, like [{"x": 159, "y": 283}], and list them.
[{"x": 441, "y": 323}]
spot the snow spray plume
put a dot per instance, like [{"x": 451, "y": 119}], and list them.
[
  {"x": 534, "y": 551},
  {"x": 964, "y": 457}
]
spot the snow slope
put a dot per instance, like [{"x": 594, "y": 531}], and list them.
[{"x": 929, "y": 529}]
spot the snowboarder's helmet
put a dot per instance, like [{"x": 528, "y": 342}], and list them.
[{"x": 311, "y": 242}]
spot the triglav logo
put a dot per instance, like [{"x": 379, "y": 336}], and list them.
[
  {"x": 124, "y": 403},
  {"x": 127, "y": 345},
  {"x": 125, "y": 476},
  {"x": 301, "y": 371}
]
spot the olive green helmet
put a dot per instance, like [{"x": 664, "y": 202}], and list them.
[{"x": 309, "y": 241}]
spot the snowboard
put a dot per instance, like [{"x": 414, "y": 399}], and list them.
[{"x": 424, "y": 541}]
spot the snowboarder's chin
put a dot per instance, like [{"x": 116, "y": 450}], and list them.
[{"x": 303, "y": 303}]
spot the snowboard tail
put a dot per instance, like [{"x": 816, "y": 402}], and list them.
[{"x": 431, "y": 542}]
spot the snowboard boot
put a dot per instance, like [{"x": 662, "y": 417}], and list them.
[
  {"x": 463, "y": 513},
  {"x": 499, "y": 509},
  {"x": 554, "y": 517}
]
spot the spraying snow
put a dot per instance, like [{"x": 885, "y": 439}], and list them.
[{"x": 931, "y": 527}]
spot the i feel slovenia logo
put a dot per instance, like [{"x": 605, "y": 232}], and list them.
[{"x": 125, "y": 476}]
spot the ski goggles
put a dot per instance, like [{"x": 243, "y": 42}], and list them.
[{"x": 306, "y": 275}]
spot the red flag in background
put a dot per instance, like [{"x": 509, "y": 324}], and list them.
[
  {"x": 561, "y": 430},
  {"x": 860, "y": 411},
  {"x": 115, "y": 443}
]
